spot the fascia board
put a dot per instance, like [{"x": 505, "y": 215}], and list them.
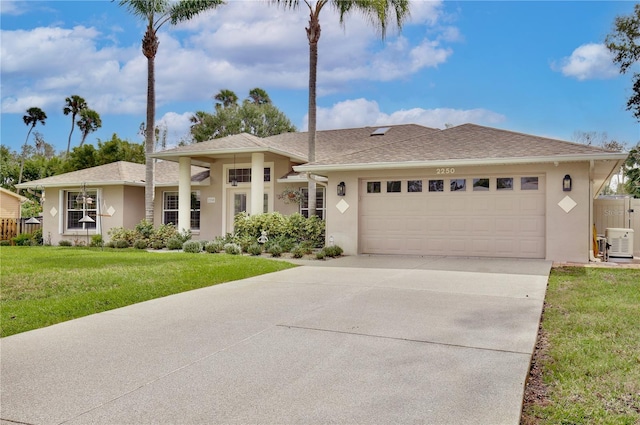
[
  {"x": 172, "y": 156},
  {"x": 458, "y": 163},
  {"x": 79, "y": 184}
]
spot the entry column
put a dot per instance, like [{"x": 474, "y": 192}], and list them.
[
  {"x": 184, "y": 194},
  {"x": 257, "y": 183}
]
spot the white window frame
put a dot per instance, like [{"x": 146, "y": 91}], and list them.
[
  {"x": 63, "y": 204},
  {"x": 193, "y": 210},
  {"x": 323, "y": 209}
]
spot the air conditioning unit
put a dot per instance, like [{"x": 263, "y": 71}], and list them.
[{"x": 620, "y": 242}]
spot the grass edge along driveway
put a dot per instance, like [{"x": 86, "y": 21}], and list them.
[{"x": 42, "y": 286}]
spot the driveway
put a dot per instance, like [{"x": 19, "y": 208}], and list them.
[{"x": 367, "y": 340}]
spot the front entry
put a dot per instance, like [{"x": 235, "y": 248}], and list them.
[{"x": 239, "y": 201}]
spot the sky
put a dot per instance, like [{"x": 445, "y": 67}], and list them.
[{"x": 535, "y": 67}]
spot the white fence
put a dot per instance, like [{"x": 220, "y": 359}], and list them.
[{"x": 618, "y": 213}]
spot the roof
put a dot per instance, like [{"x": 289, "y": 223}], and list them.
[
  {"x": 119, "y": 173},
  {"x": 13, "y": 194}
]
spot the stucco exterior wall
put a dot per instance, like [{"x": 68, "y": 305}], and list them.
[{"x": 567, "y": 234}]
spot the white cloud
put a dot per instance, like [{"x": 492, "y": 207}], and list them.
[
  {"x": 177, "y": 126},
  {"x": 587, "y": 62},
  {"x": 363, "y": 113}
]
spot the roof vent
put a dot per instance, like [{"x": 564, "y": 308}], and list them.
[{"x": 380, "y": 131}]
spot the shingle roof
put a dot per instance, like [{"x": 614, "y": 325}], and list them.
[{"x": 121, "y": 172}]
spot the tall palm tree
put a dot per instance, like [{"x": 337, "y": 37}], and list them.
[
  {"x": 73, "y": 105},
  {"x": 259, "y": 96},
  {"x": 227, "y": 98},
  {"x": 34, "y": 116},
  {"x": 379, "y": 12},
  {"x": 89, "y": 122},
  {"x": 156, "y": 13}
]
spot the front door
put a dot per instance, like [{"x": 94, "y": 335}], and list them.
[{"x": 239, "y": 201}]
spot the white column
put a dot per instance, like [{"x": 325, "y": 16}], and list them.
[
  {"x": 184, "y": 194},
  {"x": 257, "y": 183}
]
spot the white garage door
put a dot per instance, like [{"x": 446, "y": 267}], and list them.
[{"x": 500, "y": 216}]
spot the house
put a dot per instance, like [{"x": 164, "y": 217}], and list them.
[
  {"x": 10, "y": 204},
  {"x": 404, "y": 189}
]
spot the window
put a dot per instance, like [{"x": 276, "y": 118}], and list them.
[
  {"x": 320, "y": 207},
  {"x": 458, "y": 185},
  {"x": 504, "y": 183},
  {"x": 480, "y": 184},
  {"x": 529, "y": 183},
  {"x": 76, "y": 209},
  {"x": 243, "y": 175},
  {"x": 414, "y": 186},
  {"x": 373, "y": 187},
  {"x": 394, "y": 186},
  {"x": 436, "y": 185},
  {"x": 170, "y": 207}
]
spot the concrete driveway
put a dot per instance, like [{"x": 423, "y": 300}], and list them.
[{"x": 367, "y": 340}]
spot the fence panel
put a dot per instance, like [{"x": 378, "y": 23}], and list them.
[{"x": 8, "y": 228}]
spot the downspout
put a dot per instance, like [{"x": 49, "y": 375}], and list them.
[{"x": 592, "y": 257}]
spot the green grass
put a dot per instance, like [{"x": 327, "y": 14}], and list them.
[
  {"x": 41, "y": 286},
  {"x": 592, "y": 366}
]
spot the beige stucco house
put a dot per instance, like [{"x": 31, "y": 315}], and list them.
[{"x": 405, "y": 189}]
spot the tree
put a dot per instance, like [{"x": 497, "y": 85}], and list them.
[
  {"x": 623, "y": 43},
  {"x": 89, "y": 122},
  {"x": 632, "y": 185},
  {"x": 377, "y": 11},
  {"x": 34, "y": 116},
  {"x": 113, "y": 150},
  {"x": 156, "y": 13},
  {"x": 74, "y": 105},
  {"x": 257, "y": 116},
  {"x": 226, "y": 99},
  {"x": 258, "y": 96}
]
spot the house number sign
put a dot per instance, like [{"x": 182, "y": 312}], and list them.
[{"x": 445, "y": 170}]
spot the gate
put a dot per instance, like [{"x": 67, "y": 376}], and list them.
[{"x": 618, "y": 213}]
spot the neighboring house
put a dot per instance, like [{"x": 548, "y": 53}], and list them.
[
  {"x": 10, "y": 203},
  {"x": 405, "y": 189}
]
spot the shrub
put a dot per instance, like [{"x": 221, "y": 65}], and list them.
[
  {"x": 96, "y": 240},
  {"x": 332, "y": 251},
  {"x": 214, "y": 247},
  {"x": 157, "y": 244},
  {"x": 110, "y": 244},
  {"x": 320, "y": 255},
  {"x": 193, "y": 247},
  {"x": 255, "y": 249},
  {"x": 300, "y": 251},
  {"x": 232, "y": 248},
  {"x": 121, "y": 243},
  {"x": 285, "y": 243},
  {"x": 5, "y": 243},
  {"x": 174, "y": 243},
  {"x": 141, "y": 244},
  {"x": 65, "y": 242},
  {"x": 37, "y": 236},
  {"x": 163, "y": 233},
  {"x": 23, "y": 239},
  {"x": 145, "y": 229},
  {"x": 275, "y": 250},
  {"x": 121, "y": 234}
]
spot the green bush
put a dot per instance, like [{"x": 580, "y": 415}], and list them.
[
  {"x": 141, "y": 244},
  {"x": 285, "y": 243},
  {"x": 65, "y": 242},
  {"x": 37, "y": 236},
  {"x": 255, "y": 249},
  {"x": 118, "y": 234},
  {"x": 121, "y": 243},
  {"x": 233, "y": 249},
  {"x": 214, "y": 247},
  {"x": 287, "y": 231},
  {"x": 110, "y": 244},
  {"x": 275, "y": 250},
  {"x": 174, "y": 243},
  {"x": 23, "y": 239},
  {"x": 5, "y": 243},
  {"x": 332, "y": 251},
  {"x": 193, "y": 247},
  {"x": 145, "y": 229},
  {"x": 300, "y": 251},
  {"x": 158, "y": 244},
  {"x": 320, "y": 255},
  {"x": 96, "y": 241}
]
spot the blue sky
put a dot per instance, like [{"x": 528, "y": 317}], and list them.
[{"x": 532, "y": 67}]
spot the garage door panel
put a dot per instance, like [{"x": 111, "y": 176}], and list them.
[{"x": 507, "y": 223}]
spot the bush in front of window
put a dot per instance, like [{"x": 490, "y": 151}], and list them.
[
  {"x": 192, "y": 247},
  {"x": 232, "y": 248},
  {"x": 141, "y": 244},
  {"x": 65, "y": 242},
  {"x": 174, "y": 243},
  {"x": 96, "y": 241}
]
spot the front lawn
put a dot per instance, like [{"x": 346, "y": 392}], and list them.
[
  {"x": 41, "y": 286},
  {"x": 589, "y": 353}
]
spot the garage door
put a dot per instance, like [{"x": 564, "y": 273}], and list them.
[{"x": 500, "y": 216}]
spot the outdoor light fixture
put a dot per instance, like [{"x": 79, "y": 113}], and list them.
[
  {"x": 342, "y": 189},
  {"x": 566, "y": 183}
]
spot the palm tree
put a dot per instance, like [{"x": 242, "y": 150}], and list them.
[
  {"x": 34, "y": 116},
  {"x": 259, "y": 96},
  {"x": 89, "y": 122},
  {"x": 227, "y": 98},
  {"x": 379, "y": 12},
  {"x": 74, "y": 105},
  {"x": 156, "y": 13}
]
